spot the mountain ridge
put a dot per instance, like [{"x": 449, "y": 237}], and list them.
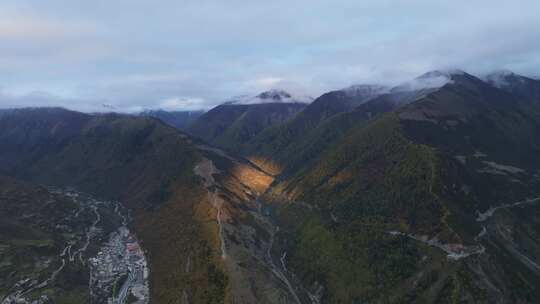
[{"x": 422, "y": 193}]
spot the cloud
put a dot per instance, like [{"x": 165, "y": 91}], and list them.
[
  {"x": 16, "y": 26},
  {"x": 136, "y": 54},
  {"x": 430, "y": 80},
  {"x": 45, "y": 99},
  {"x": 264, "y": 83},
  {"x": 181, "y": 103}
]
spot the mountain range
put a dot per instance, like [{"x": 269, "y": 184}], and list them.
[
  {"x": 178, "y": 119},
  {"x": 425, "y": 192}
]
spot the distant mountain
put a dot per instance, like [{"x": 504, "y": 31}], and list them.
[
  {"x": 463, "y": 100},
  {"x": 235, "y": 123},
  {"x": 315, "y": 127},
  {"x": 517, "y": 84},
  {"x": 300, "y": 142},
  {"x": 272, "y": 140},
  {"x": 272, "y": 96},
  {"x": 177, "y": 119}
]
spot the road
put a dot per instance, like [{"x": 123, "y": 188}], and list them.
[
  {"x": 65, "y": 256},
  {"x": 483, "y": 216}
]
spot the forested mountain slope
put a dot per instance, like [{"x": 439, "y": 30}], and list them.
[
  {"x": 428, "y": 192},
  {"x": 444, "y": 171},
  {"x": 190, "y": 202},
  {"x": 231, "y": 126},
  {"x": 329, "y": 116}
]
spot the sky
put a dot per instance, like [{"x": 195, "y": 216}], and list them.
[{"x": 131, "y": 55}]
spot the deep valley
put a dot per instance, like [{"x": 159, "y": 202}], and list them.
[{"x": 419, "y": 193}]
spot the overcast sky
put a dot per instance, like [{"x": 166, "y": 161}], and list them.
[{"x": 190, "y": 54}]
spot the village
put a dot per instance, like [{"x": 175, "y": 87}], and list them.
[{"x": 119, "y": 271}]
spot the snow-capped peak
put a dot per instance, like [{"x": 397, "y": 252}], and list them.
[
  {"x": 502, "y": 78},
  {"x": 276, "y": 95},
  {"x": 444, "y": 72},
  {"x": 271, "y": 96},
  {"x": 501, "y": 73},
  {"x": 430, "y": 80}
]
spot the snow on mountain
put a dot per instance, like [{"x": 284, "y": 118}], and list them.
[
  {"x": 525, "y": 87},
  {"x": 272, "y": 96},
  {"x": 503, "y": 78},
  {"x": 430, "y": 80}
]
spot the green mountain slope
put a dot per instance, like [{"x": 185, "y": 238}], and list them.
[
  {"x": 194, "y": 206},
  {"x": 364, "y": 207},
  {"x": 266, "y": 149},
  {"x": 139, "y": 161},
  {"x": 231, "y": 126},
  {"x": 425, "y": 193}
]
